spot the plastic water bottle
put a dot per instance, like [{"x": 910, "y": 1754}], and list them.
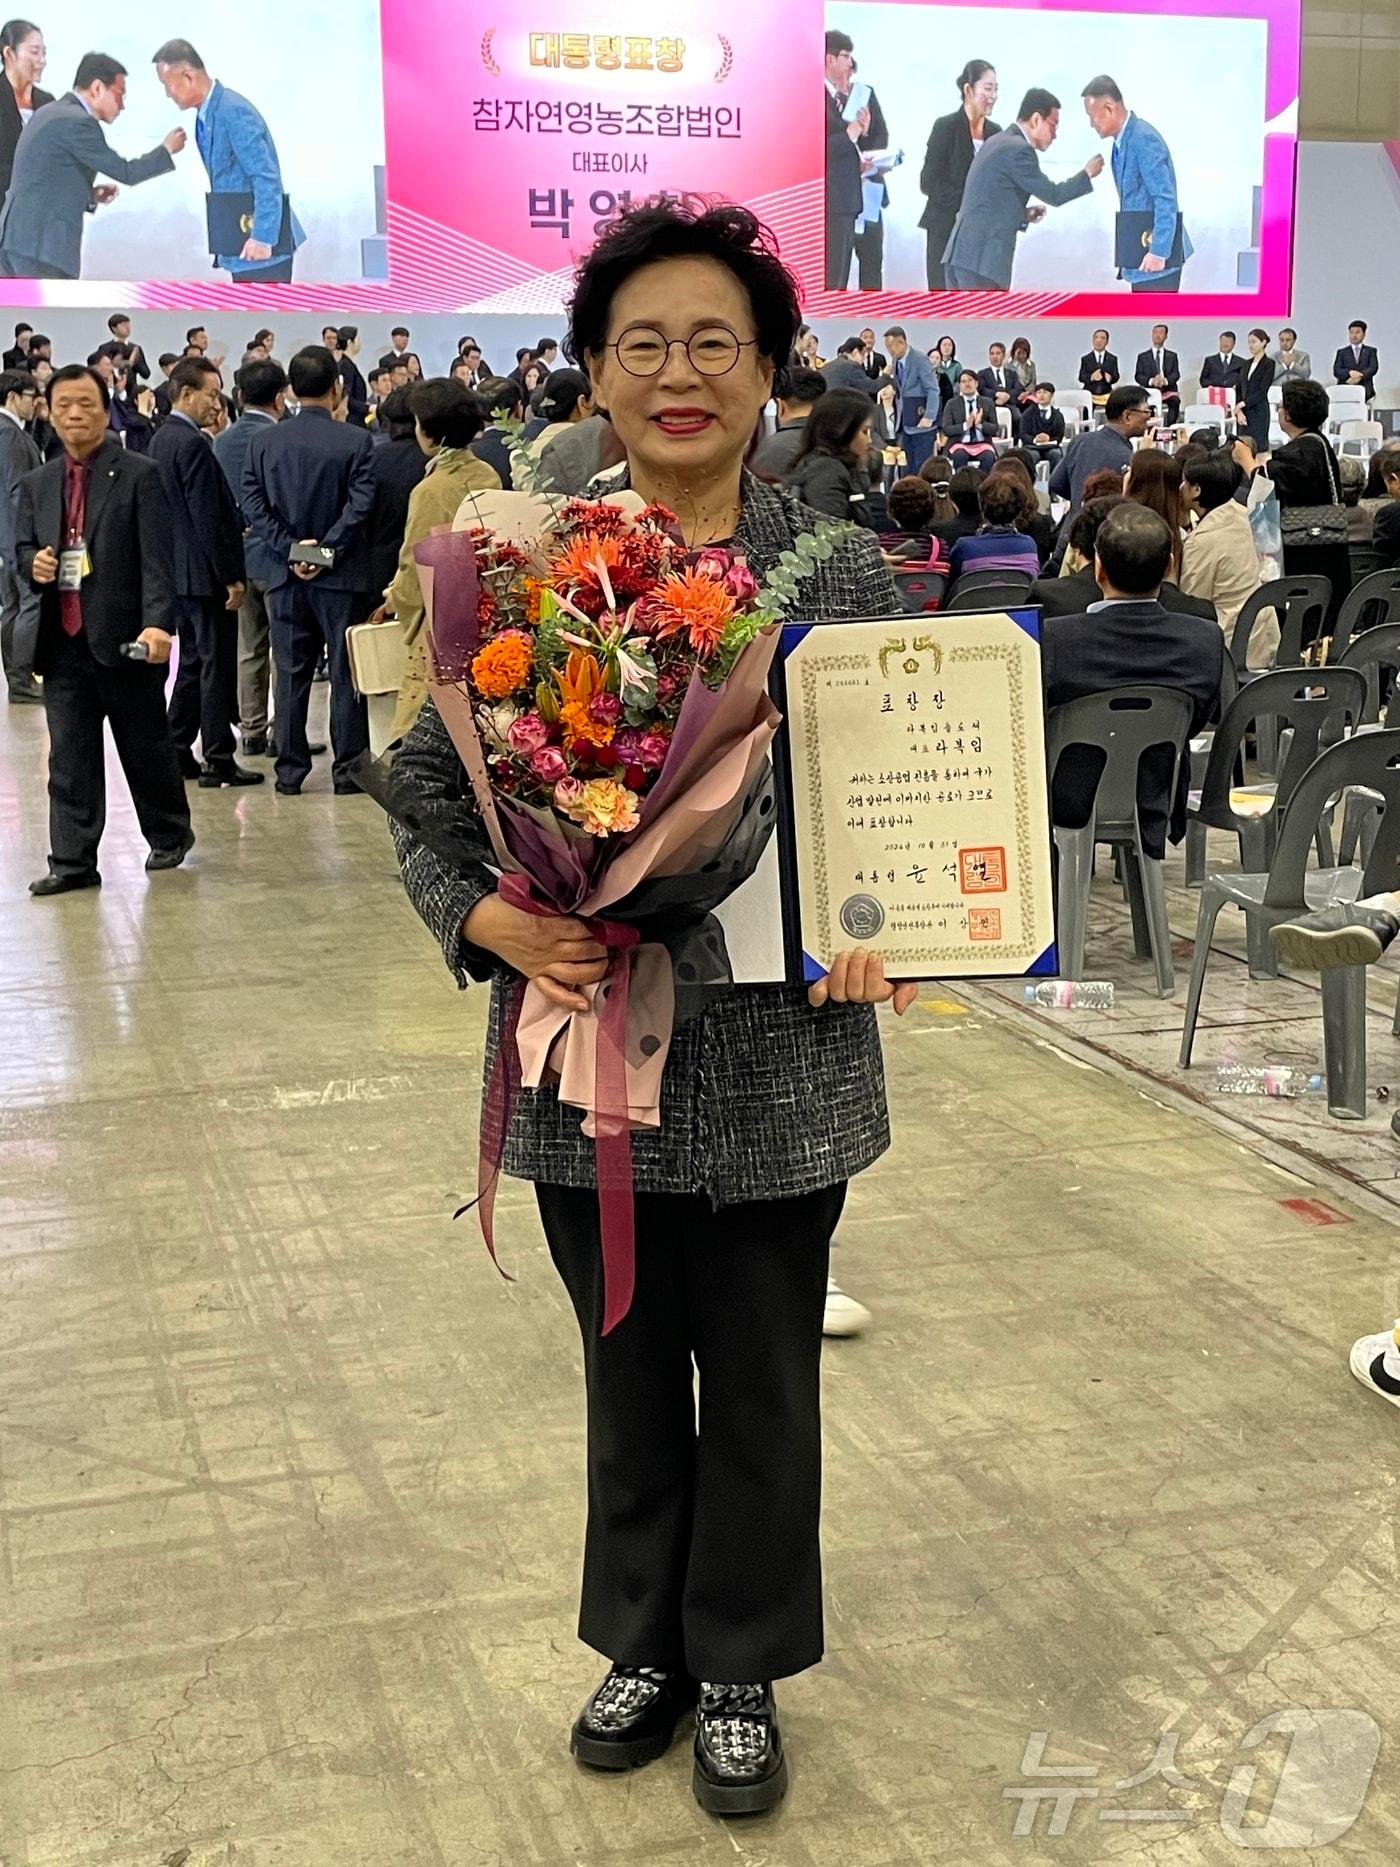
[
  {"x": 1267, "y": 1079},
  {"x": 1072, "y": 994}
]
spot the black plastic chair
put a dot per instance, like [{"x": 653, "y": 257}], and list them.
[
  {"x": 1312, "y": 705},
  {"x": 1124, "y": 724},
  {"x": 980, "y": 579},
  {"x": 1370, "y": 604},
  {"x": 1301, "y": 604},
  {"x": 1288, "y": 888},
  {"x": 1375, "y": 653},
  {"x": 920, "y": 590},
  {"x": 988, "y": 597}
]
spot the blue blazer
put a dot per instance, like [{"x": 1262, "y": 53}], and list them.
[
  {"x": 1146, "y": 182},
  {"x": 241, "y": 158},
  {"x": 231, "y": 452},
  {"x": 312, "y": 478},
  {"x": 1000, "y": 183},
  {"x": 208, "y": 554},
  {"x": 919, "y": 394}
]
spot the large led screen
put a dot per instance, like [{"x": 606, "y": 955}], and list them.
[{"x": 429, "y": 155}]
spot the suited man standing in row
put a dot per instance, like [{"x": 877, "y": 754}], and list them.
[
  {"x": 310, "y": 482},
  {"x": 1098, "y": 369},
  {"x": 845, "y": 197},
  {"x": 208, "y": 568},
  {"x": 19, "y": 600},
  {"x": 262, "y": 399},
  {"x": 1222, "y": 371},
  {"x": 1357, "y": 362},
  {"x": 981, "y": 251},
  {"x": 1160, "y": 368},
  {"x": 93, "y": 536},
  {"x": 54, "y": 186}
]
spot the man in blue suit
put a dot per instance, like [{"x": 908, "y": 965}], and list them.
[
  {"x": 981, "y": 251},
  {"x": 311, "y": 482},
  {"x": 241, "y": 158},
  {"x": 917, "y": 398},
  {"x": 262, "y": 397},
  {"x": 1145, "y": 177}
]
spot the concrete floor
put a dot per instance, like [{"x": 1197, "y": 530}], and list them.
[{"x": 290, "y": 1481}]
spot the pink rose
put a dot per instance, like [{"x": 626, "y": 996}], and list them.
[
  {"x": 716, "y": 564},
  {"x": 741, "y": 583},
  {"x": 652, "y": 749},
  {"x": 527, "y": 734},
  {"x": 549, "y": 765},
  {"x": 605, "y": 708},
  {"x": 568, "y": 795}
]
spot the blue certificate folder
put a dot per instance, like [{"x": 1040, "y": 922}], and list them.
[{"x": 801, "y": 967}]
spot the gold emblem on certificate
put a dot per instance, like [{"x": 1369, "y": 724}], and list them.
[{"x": 920, "y": 811}]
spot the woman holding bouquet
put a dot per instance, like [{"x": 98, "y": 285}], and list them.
[{"x": 702, "y": 1569}]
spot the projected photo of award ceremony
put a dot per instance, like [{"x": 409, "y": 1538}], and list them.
[{"x": 701, "y": 907}]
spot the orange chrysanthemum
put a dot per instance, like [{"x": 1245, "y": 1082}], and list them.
[
  {"x": 580, "y": 728},
  {"x": 695, "y": 603},
  {"x": 503, "y": 667},
  {"x": 532, "y": 587}
]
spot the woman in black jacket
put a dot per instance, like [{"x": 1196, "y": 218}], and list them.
[
  {"x": 952, "y": 146},
  {"x": 1256, "y": 379},
  {"x": 831, "y": 471},
  {"x": 24, "y": 54},
  {"x": 1305, "y": 473}
]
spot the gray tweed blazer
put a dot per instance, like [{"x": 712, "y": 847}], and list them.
[{"x": 763, "y": 1098}]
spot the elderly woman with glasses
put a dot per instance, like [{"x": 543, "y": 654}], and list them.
[{"x": 702, "y": 1564}]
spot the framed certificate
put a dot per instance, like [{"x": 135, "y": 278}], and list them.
[{"x": 912, "y": 803}]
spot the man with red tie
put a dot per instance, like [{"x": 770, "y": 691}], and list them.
[{"x": 93, "y": 534}]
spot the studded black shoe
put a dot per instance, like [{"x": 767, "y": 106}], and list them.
[
  {"x": 740, "y": 1768},
  {"x": 631, "y": 1719}
]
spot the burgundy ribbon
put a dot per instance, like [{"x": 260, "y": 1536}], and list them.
[{"x": 613, "y": 1142}]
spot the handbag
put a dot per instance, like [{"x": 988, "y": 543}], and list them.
[
  {"x": 1265, "y": 525},
  {"x": 1317, "y": 525}
]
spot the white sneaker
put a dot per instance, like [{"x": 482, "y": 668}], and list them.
[
  {"x": 1368, "y": 1364},
  {"x": 844, "y": 1316}
]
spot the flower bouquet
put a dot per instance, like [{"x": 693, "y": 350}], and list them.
[{"x": 606, "y": 690}]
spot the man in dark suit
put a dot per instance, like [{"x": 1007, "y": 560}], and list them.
[
  {"x": 969, "y": 422},
  {"x": 262, "y": 399},
  {"x": 981, "y": 251},
  {"x": 18, "y": 357},
  {"x": 870, "y": 233},
  {"x": 1043, "y": 426},
  {"x": 875, "y": 363},
  {"x": 208, "y": 572},
  {"x": 1130, "y": 638},
  {"x": 1158, "y": 368},
  {"x": 1098, "y": 369},
  {"x": 310, "y": 482},
  {"x": 847, "y": 369},
  {"x": 93, "y": 536},
  {"x": 57, "y": 162},
  {"x": 398, "y": 466},
  {"x": 1357, "y": 362},
  {"x": 845, "y": 200},
  {"x": 19, "y": 600},
  {"x": 1000, "y": 380},
  {"x": 1222, "y": 371}
]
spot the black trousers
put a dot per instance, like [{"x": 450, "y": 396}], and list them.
[
  {"x": 870, "y": 256},
  {"x": 936, "y": 237},
  {"x": 840, "y": 250},
  {"x": 304, "y": 619},
  {"x": 204, "y": 699},
  {"x": 81, "y": 694},
  {"x": 702, "y": 1548}
]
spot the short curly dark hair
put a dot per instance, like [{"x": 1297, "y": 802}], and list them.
[
  {"x": 671, "y": 230},
  {"x": 1307, "y": 404}
]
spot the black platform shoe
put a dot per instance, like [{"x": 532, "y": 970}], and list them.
[
  {"x": 740, "y": 1768},
  {"x": 631, "y": 1719}
]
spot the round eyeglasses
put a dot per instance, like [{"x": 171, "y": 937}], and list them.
[{"x": 713, "y": 351}]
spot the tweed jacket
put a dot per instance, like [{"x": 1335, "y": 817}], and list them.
[{"x": 763, "y": 1097}]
